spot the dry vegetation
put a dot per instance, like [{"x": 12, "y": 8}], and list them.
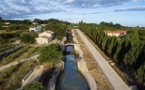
[
  {"x": 94, "y": 69},
  {"x": 11, "y": 78}
]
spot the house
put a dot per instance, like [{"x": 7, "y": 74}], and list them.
[
  {"x": 43, "y": 40},
  {"x": 6, "y": 24},
  {"x": 119, "y": 33},
  {"x": 35, "y": 23},
  {"x": 47, "y": 33},
  {"x": 45, "y": 37},
  {"x": 35, "y": 29}
]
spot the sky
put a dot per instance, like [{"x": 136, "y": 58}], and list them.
[{"x": 125, "y": 12}]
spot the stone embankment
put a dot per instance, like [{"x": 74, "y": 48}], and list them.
[{"x": 82, "y": 67}]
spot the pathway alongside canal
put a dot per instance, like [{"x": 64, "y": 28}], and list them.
[{"x": 110, "y": 73}]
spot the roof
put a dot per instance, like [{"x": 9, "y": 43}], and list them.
[
  {"x": 116, "y": 32},
  {"x": 45, "y": 37},
  {"x": 7, "y": 23},
  {"x": 49, "y": 32}
]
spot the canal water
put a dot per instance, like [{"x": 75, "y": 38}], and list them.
[{"x": 71, "y": 78}]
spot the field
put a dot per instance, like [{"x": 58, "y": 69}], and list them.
[{"x": 24, "y": 52}]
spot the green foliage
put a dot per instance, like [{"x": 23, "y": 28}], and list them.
[
  {"x": 104, "y": 42},
  {"x": 111, "y": 45},
  {"x": 140, "y": 74},
  {"x": 34, "y": 86},
  {"x": 9, "y": 35},
  {"x": 142, "y": 35},
  {"x": 58, "y": 27},
  {"x": 129, "y": 58},
  {"x": 1, "y": 19},
  {"x": 118, "y": 50},
  {"x": 28, "y": 38},
  {"x": 5, "y": 37},
  {"x": 51, "y": 53},
  {"x": 142, "y": 32},
  {"x": 17, "y": 27},
  {"x": 109, "y": 26}
]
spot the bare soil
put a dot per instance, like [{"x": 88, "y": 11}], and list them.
[{"x": 94, "y": 69}]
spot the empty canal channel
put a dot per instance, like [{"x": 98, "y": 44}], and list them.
[{"x": 70, "y": 78}]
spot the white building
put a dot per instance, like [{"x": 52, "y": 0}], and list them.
[
  {"x": 47, "y": 33},
  {"x": 45, "y": 37},
  {"x": 34, "y": 23},
  {"x": 35, "y": 29},
  {"x": 116, "y": 33}
]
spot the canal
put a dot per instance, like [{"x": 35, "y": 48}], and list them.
[{"x": 71, "y": 78}]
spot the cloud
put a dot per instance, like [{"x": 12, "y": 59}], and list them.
[
  {"x": 10, "y": 9},
  {"x": 88, "y": 13},
  {"x": 137, "y": 8},
  {"x": 26, "y": 8},
  {"x": 95, "y": 3}
]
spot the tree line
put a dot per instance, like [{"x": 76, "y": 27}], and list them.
[
  {"x": 128, "y": 50},
  {"x": 5, "y": 37},
  {"x": 58, "y": 27}
]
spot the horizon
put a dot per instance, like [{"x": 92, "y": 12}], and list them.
[{"x": 125, "y": 12}]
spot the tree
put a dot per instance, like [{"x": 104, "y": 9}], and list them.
[
  {"x": 129, "y": 58},
  {"x": 140, "y": 74},
  {"x": 34, "y": 86},
  {"x": 111, "y": 45},
  {"x": 57, "y": 27},
  {"x": 1, "y": 19},
  {"x": 129, "y": 49},
  {"x": 51, "y": 53},
  {"x": 117, "y": 25},
  {"x": 118, "y": 51},
  {"x": 27, "y": 22},
  {"x": 39, "y": 21},
  {"x": 28, "y": 38}
]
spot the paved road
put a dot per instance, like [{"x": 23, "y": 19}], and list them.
[{"x": 113, "y": 77}]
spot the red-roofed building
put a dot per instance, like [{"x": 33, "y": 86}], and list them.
[{"x": 119, "y": 33}]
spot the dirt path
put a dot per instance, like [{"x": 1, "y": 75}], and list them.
[{"x": 102, "y": 82}]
